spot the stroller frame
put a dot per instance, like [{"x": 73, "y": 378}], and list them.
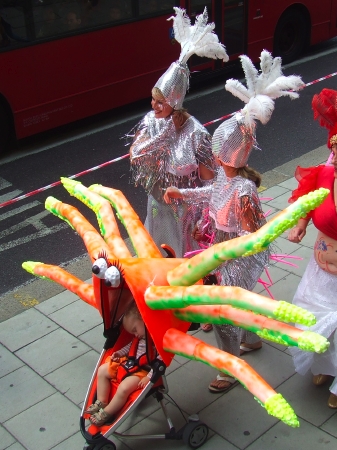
[{"x": 194, "y": 432}]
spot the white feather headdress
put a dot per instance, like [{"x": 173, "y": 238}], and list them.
[
  {"x": 264, "y": 87},
  {"x": 234, "y": 139},
  {"x": 198, "y": 39}
]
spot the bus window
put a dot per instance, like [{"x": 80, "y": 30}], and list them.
[
  {"x": 147, "y": 7},
  {"x": 198, "y": 6},
  {"x": 118, "y": 10},
  {"x": 47, "y": 21},
  {"x": 13, "y": 24},
  {"x": 234, "y": 27}
]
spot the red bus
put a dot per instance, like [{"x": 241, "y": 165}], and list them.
[{"x": 63, "y": 60}]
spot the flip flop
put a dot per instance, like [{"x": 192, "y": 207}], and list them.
[
  {"x": 216, "y": 390},
  {"x": 206, "y": 327}
]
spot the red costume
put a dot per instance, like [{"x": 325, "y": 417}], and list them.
[{"x": 324, "y": 217}]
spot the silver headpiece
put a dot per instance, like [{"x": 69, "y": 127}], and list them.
[
  {"x": 174, "y": 84},
  {"x": 234, "y": 139},
  {"x": 196, "y": 39}
]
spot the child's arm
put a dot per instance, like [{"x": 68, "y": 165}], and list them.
[{"x": 121, "y": 352}]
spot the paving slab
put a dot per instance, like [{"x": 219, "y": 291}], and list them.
[
  {"x": 57, "y": 302},
  {"x": 52, "y": 351},
  {"x": 237, "y": 417},
  {"x": 267, "y": 362},
  {"x": 309, "y": 401},
  {"x": 94, "y": 338},
  {"x": 6, "y": 439},
  {"x": 197, "y": 376},
  {"x": 16, "y": 446},
  {"x": 330, "y": 426},
  {"x": 73, "y": 378},
  {"x": 273, "y": 193},
  {"x": 308, "y": 437},
  {"x": 20, "y": 390},
  {"x": 285, "y": 288},
  {"x": 45, "y": 424},
  {"x": 23, "y": 329},
  {"x": 8, "y": 361},
  {"x": 280, "y": 202},
  {"x": 77, "y": 317}
]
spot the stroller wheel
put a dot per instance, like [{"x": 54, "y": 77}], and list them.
[{"x": 195, "y": 434}]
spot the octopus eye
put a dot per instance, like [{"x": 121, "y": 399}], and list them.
[
  {"x": 112, "y": 277},
  {"x": 100, "y": 267}
]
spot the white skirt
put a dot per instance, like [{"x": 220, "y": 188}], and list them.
[{"x": 317, "y": 292}]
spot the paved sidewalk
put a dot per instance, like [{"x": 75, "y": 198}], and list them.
[{"x": 48, "y": 354}]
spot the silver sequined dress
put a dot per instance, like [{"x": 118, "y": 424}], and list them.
[
  {"x": 234, "y": 210},
  {"x": 163, "y": 156}
]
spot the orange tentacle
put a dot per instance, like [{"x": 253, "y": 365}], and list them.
[
  {"x": 104, "y": 213},
  {"x": 83, "y": 290},
  {"x": 140, "y": 237},
  {"x": 91, "y": 238},
  {"x": 182, "y": 344}
]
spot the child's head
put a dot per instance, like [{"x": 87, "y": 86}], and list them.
[{"x": 133, "y": 322}]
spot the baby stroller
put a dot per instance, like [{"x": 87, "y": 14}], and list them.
[{"x": 114, "y": 302}]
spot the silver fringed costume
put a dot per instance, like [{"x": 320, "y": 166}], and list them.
[
  {"x": 231, "y": 202},
  {"x": 163, "y": 156}
]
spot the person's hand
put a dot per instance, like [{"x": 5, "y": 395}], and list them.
[
  {"x": 296, "y": 234},
  {"x": 172, "y": 192},
  {"x": 115, "y": 357},
  {"x": 196, "y": 234},
  {"x": 143, "y": 382}
]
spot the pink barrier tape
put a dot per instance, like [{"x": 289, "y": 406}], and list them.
[
  {"x": 29, "y": 194},
  {"x": 56, "y": 183}
]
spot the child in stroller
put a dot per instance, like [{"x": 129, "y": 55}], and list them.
[{"x": 119, "y": 367}]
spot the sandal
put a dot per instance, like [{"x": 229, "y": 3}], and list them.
[
  {"x": 95, "y": 407},
  {"x": 246, "y": 348},
  {"x": 222, "y": 384},
  {"x": 206, "y": 327},
  {"x": 101, "y": 417}
]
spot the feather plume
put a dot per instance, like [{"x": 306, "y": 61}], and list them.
[
  {"x": 260, "y": 108},
  {"x": 266, "y": 62},
  {"x": 270, "y": 71},
  {"x": 250, "y": 72},
  {"x": 181, "y": 25},
  {"x": 237, "y": 89},
  {"x": 198, "y": 39},
  {"x": 284, "y": 86},
  {"x": 263, "y": 87},
  {"x": 324, "y": 105}
]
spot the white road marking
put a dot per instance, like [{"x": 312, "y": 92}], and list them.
[
  {"x": 4, "y": 183},
  {"x": 35, "y": 221},
  {"x": 42, "y": 233},
  {"x": 19, "y": 210},
  {"x": 10, "y": 195}
]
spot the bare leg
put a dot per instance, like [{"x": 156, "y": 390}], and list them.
[
  {"x": 126, "y": 387},
  {"x": 103, "y": 384}
]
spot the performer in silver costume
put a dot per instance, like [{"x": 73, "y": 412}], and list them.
[
  {"x": 171, "y": 147},
  {"x": 234, "y": 207}
]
